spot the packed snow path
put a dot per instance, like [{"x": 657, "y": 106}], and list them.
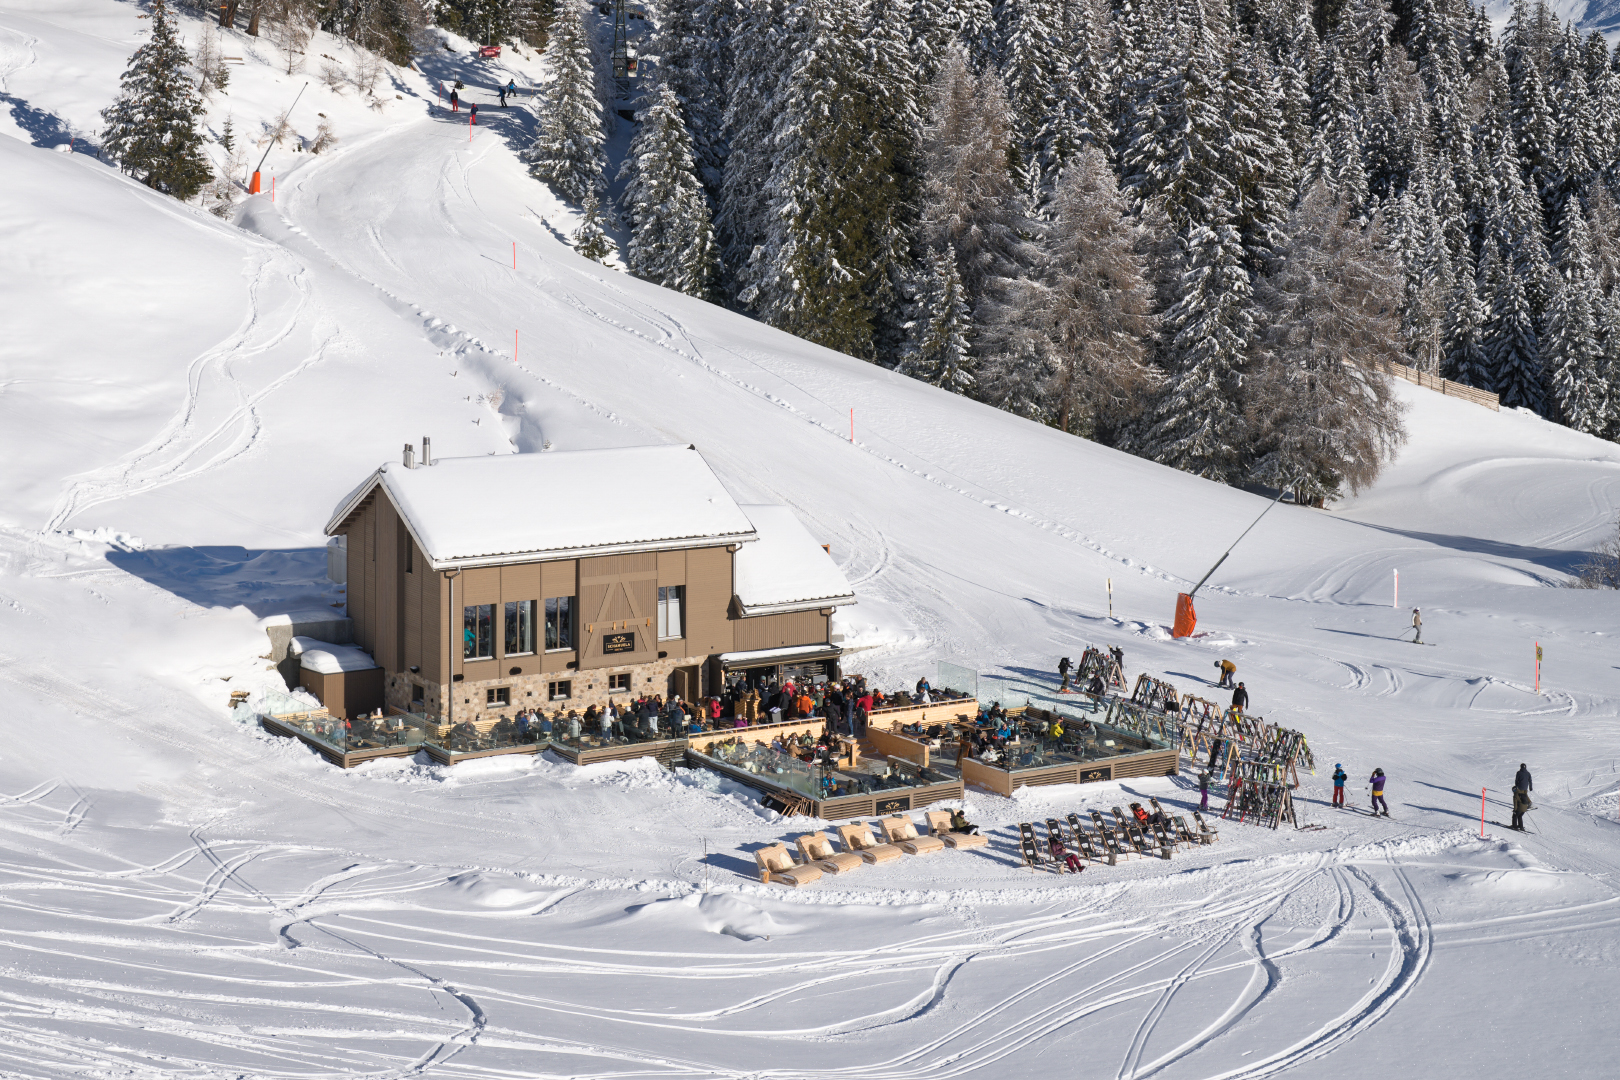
[{"x": 182, "y": 894}]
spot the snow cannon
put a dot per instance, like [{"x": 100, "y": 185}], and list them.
[
  {"x": 1186, "y": 617},
  {"x": 253, "y": 185}
]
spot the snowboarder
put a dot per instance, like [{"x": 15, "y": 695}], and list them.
[
  {"x": 1228, "y": 669},
  {"x": 1063, "y": 670},
  {"x": 473, "y": 119},
  {"x": 1522, "y": 786},
  {"x": 455, "y": 102},
  {"x": 1240, "y": 698},
  {"x": 1378, "y": 802},
  {"x": 1339, "y": 777},
  {"x": 1417, "y": 627}
]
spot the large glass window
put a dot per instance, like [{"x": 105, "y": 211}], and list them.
[
  {"x": 559, "y": 622},
  {"x": 519, "y": 627},
  {"x": 670, "y": 602},
  {"x": 478, "y": 632}
]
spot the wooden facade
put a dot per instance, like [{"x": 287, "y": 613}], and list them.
[{"x": 408, "y": 616}]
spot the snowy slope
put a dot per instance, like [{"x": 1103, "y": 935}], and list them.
[{"x": 183, "y": 401}]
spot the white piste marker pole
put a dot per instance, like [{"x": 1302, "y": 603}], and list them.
[{"x": 1110, "y": 598}]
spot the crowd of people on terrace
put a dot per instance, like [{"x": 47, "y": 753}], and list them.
[{"x": 845, "y": 705}]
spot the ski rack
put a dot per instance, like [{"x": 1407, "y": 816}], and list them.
[
  {"x": 1095, "y": 661},
  {"x": 1155, "y": 694}
]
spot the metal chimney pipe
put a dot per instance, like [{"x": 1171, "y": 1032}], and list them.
[
  {"x": 410, "y": 456},
  {"x": 427, "y": 450}
]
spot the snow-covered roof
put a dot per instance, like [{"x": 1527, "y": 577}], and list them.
[
  {"x": 481, "y": 511},
  {"x": 779, "y": 655},
  {"x": 785, "y": 570},
  {"x": 326, "y": 658}
]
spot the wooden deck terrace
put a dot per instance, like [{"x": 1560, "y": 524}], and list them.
[
  {"x": 298, "y": 726},
  {"x": 843, "y": 807}
]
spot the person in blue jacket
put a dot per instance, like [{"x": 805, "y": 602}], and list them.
[{"x": 1339, "y": 777}]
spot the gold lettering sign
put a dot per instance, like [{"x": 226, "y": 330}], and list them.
[{"x": 618, "y": 643}]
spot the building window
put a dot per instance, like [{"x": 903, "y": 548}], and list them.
[
  {"x": 618, "y": 683},
  {"x": 519, "y": 627},
  {"x": 560, "y": 691},
  {"x": 478, "y": 632},
  {"x": 670, "y": 601},
  {"x": 418, "y": 694},
  {"x": 559, "y": 622},
  {"x": 499, "y": 695}
]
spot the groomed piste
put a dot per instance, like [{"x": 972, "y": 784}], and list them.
[{"x": 185, "y": 399}]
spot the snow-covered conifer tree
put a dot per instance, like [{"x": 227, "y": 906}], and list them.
[
  {"x": 691, "y": 62},
  {"x": 1067, "y": 343},
  {"x": 671, "y": 237},
  {"x": 1572, "y": 352},
  {"x": 589, "y": 239},
  {"x": 753, "y": 82},
  {"x": 1467, "y": 317},
  {"x": 152, "y": 128},
  {"x": 1196, "y": 423},
  {"x": 1511, "y": 342},
  {"x": 568, "y": 151},
  {"x": 937, "y": 347},
  {"x": 1324, "y": 416}
]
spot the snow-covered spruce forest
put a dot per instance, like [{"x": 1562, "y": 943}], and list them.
[{"x": 1187, "y": 229}]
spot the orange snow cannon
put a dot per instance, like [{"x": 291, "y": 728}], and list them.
[{"x": 1186, "y": 617}]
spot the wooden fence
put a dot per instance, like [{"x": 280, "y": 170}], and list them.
[{"x": 1444, "y": 386}]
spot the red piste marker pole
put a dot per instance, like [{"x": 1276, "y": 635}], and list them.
[
  {"x": 852, "y": 426},
  {"x": 272, "y": 189},
  {"x": 1482, "y": 813}
]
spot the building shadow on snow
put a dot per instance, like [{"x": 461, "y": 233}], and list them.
[{"x": 265, "y": 581}]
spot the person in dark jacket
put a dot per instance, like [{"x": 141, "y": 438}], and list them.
[
  {"x": 455, "y": 102},
  {"x": 1240, "y": 698},
  {"x": 1063, "y": 670},
  {"x": 1522, "y": 787}
]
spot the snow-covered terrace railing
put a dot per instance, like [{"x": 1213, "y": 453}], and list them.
[{"x": 1444, "y": 386}]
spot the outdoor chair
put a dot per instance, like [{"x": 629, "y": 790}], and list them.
[
  {"x": 902, "y": 831},
  {"x": 817, "y": 848},
  {"x": 1209, "y": 835},
  {"x": 939, "y": 825},
  {"x": 776, "y": 864},
  {"x": 1186, "y": 834},
  {"x": 858, "y": 838}
]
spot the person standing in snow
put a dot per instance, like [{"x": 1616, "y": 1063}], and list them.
[
  {"x": 1417, "y": 626},
  {"x": 1203, "y": 792},
  {"x": 473, "y": 118},
  {"x": 1063, "y": 670},
  {"x": 1522, "y": 786},
  {"x": 501, "y": 90},
  {"x": 455, "y": 102},
  {"x": 1339, "y": 777},
  {"x": 1240, "y": 698},
  {"x": 1227, "y": 669},
  {"x": 509, "y": 90},
  {"x": 1378, "y": 802}
]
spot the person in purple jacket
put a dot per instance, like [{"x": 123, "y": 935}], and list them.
[{"x": 1378, "y": 802}]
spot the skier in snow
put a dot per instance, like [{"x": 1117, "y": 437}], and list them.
[
  {"x": 1228, "y": 669},
  {"x": 1417, "y": 626},
  {"x": 1119, "y": 657},
  {"x": 510, "y": 90},
  {"x": 1240, "y": 698},
  {"x": 1378, "y": 803},
  {"x": 455, "y": 102},
  {"x": 1522, "y": 786},
  {"x": 1063, "y": 670},
  {"x": 1339, "y": 777},
  {"x": 474, "y": 117},
  {"x": 501, "y": 90}
]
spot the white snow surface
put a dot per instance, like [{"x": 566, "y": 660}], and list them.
[
  {"x": 182, "y": 402},
  {"x": 522, "y": 506},
  {"x": 327, "y": 658},
  {"x": 785, "y": 568}
]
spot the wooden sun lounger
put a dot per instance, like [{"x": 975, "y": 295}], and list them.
[
  {"x": 1186, "y": 834},
  {"x": 1210, "y": 835},
  {"x": 858, "y": 838},
  {"x": 776, "y": 865},
  {"x": 1082, "y": 839},
  {"x": 817, "y": 849},
  {"x": 939, "y": 824},
  {"x": 902, "y": 831}
]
